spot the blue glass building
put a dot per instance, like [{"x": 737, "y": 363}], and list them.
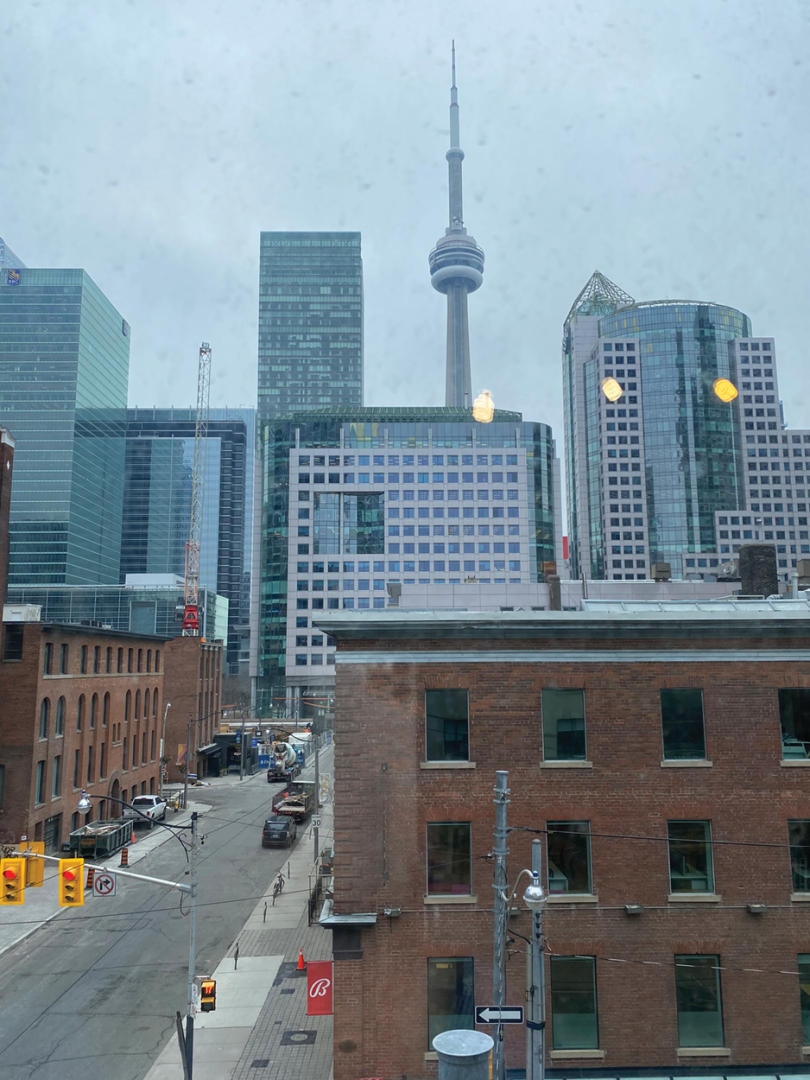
[
  {"x": 157, "y": 507},
  {"x": 310, "y": 321},
  {"x": 64, "y": 366}
]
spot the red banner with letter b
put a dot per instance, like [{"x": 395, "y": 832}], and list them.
[{"x": 319, "y": 988}]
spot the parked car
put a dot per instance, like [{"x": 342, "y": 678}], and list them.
[
  {"x": 279, "y": 832},
  {"x": 146, "y": 807}
]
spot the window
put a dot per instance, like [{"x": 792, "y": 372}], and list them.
[
  {"x": 449, "y": 864},
  {"x": 129, "y": 659},
  {"x": 105, "y": 712},
  {"x": 80, "y": 712},
  {"x": 794, "y": 714},
  {"x": 124, "y": 753},
  {"x": 102, "y": 770},
  {"x": 447, "y": 725},
  {"x": 77, "y": 757},
  {"x": 40, "y": 789},
  {"x": 60, "y": 717},
  {"x": 697, "y": 990},
  {"x": 573, "y": 1003},
  {"x": 804, "y": 995},
  {"x": 48, "y": 658},
  {"x": 44, "y": 712},
  {"x": 451, "y": 1004},
  {"x": 569, "y": 857},
  {"x": 63, "y": 659},
  {"x": 157, "y": 659},
  {"x": 799, "y": 834},
  {"x": 120, "y": 665},
  {"x": 93, "y": 710},
  {"x": 96, "y": 659},
  {"x": 690, "y": 857},
  {"x": 563, "y": 725},
  {"x": 682, "y": 724},
  {"x": 14, "y": 642}
]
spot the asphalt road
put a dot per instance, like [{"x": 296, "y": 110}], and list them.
[{"x": 92, "y": 995}]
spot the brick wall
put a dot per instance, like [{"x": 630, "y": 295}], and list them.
[
  {"x": 193, "y": 686},
  {"x": 383, "y": 801},
  {"x": 108, "y": 731}
]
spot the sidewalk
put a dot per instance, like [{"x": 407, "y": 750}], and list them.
[
  {"x": 260, "y": 1029},
  {"x": 42, "y": 904}
]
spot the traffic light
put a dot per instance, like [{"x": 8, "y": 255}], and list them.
[
  {"x": 12, "y": 874},
  {"x": 34, "y": 867},
  {"x": 71, "y": 882},
  {"x": 208, "y": 995}
]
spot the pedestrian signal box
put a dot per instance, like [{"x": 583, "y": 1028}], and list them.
[
  {"x": 71, "y": 882},
  {"x": 208, "y": 995},
  {"x": 12, "y": 881},
  {"x": 34, "y": 867}
]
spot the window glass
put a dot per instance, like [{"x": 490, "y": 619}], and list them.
[
  {"x": 573, "y": 1003},
  {"x": 799, "y": 833},
  {"x": 804, "y": 995},
  {"x": 448, "y": 858},
  {"x": 682, "y": 724},
  {"x": 794, "y": 714},
  {"x": 447, "y": 725},
  {"x": 690, "y": 856},
  {"x": 697, "y": 987},
  {"x": 563, "y": 725},
  {"x": 450, "y": 995},
  {"x": 44, "y": 710},
  {"x": 569, "y": 857}
]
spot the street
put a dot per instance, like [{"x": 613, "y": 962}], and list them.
[{"x": 93, "y": 994}]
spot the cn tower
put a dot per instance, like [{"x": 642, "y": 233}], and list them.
[{"x": 456, "y": 268}]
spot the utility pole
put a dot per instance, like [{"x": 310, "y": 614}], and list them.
[
  {"x": 188, "y": 762},
  {"x": 163, "y": 748},
  {"x": 317, "y": 737},
  {"x": 500, "y": 851},
  {"x": 192, "y": 950},
  {"x": 242, "y": 748},
  {"x": 535, "y": 984}
]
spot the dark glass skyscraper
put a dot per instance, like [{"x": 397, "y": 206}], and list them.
[
  {"x": 157, "y": 505},
  {"x": 64, "y": 367},
  {"x": 310, "y": 321}
]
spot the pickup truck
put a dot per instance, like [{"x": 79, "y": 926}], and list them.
[
  {"x": 297, "y": 801},
  {"x": 149, "y": 808}
]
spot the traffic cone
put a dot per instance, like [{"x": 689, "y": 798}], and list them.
[
  {"x": 91, "y": 873},
  {"x": 133, "y": 834},
  {"x": 302, "y": 964},
  {"x": 124, "y": 857}
]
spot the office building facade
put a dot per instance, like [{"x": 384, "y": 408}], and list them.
[
  {"x": 64, "y": 366},
  {"x": 157, "y": 507},
  {"x": 310, "y": 321},
  {"x": 653, "y": 455},
  {"x": 8, "y": 259},
  {"x": 358, "y": 503}
]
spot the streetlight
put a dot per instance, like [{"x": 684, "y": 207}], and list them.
[
  {"x": 535, "y": 898},
  {"x": 162, "y": 749},
  {"x": 186, "y": 1044}
]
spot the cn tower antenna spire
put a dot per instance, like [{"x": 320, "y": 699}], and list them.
[{"x": 456, "y": 267}]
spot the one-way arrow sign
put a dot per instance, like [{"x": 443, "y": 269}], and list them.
[{"x": 494, "y": 1014}]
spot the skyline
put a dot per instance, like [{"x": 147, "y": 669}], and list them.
[{"x": 674, "y": 172}]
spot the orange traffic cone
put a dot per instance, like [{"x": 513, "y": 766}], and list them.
[
  {"x": 302, "y": 964},
  {"x": 133, "y": 834}
]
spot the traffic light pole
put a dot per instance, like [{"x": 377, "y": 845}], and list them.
[{"x": 192, "y": 952}]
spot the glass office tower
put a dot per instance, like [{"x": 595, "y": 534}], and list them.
[
  {"x": 359, "y": 500},
  {"x": 157, "y": 506},
  {"x": 64, "y": 366},
  {"x": 310, "y": 321}
]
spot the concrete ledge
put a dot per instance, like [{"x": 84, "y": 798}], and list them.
[
  {"x": 566, "y": 764},
  {"x": 573, "y": 1055},
  {"x": 800, "y": 898},
  {"x": 795, "y": 763},
  {"x": 431, "y": 1055},
  {"x": 573, "y": 898},
  {"x": 687, "y": 763},
  {"x": 695, "y": 898},
  {"x": 704, "y": 1051},
  {"x": 446, "y": 764},
  {"x": 450, "y": 899},
  {"x": 806, "y": 1051}
]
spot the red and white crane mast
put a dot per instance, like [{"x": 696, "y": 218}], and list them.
[{"x": 191, "y": 615}]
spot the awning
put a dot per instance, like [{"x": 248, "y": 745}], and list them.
[{"x": 212, "y": 748}]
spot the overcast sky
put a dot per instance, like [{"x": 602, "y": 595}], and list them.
[{"x": 664, "y": 143}]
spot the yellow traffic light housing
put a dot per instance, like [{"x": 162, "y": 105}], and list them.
[
  {"x": 71, "y": 882},
  {"x": 34, "y": 867},
  {"x": 12, "y": 877},
  {"x": 208, "y": 995}
]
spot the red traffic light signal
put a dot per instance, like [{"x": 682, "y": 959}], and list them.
[
  {"x": 12, "y": 881},
  {"x": 71, "y": 884}
]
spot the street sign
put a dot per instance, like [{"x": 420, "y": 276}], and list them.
[
  {"x": 192, "y": 776},
  {"x": 495, "y": 1014},
  {"x": 316, "y": 823},
  {"x": 104, "y": 884}
]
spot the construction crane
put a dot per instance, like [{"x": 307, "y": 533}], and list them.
[{"x": 191, "y": 613}]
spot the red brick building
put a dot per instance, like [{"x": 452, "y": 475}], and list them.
[
  {"x": 79, "y": 708},
  {"x": 663, "y": 759},
  {"x": 194, "y": 689}
]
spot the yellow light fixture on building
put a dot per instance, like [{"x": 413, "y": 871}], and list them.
[
  {"x": 611, "y": 389},
  {"x": 484, "y": 408},
  {"x": 725, "y": 389}
]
